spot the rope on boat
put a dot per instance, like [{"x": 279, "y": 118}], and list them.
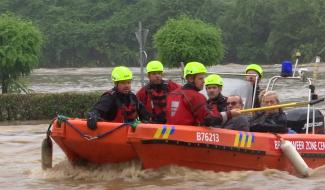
[
  {"x": 61, "y": 118},
  {"x": 48, "y": 132}
]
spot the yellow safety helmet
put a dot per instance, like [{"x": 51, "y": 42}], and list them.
[
  {"x": 192, "y": 68},
  {"x": 154, "y": 66},
  {"x": 121, "y": 73},
  {"x": 213, "y": 79},
  {"x": 255, "y": 67}
]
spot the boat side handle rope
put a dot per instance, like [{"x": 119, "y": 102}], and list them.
[
  {"x": 89, "y": 137},
  {"x": 48, "y": 132}
]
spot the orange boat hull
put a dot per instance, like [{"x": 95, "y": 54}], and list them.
[
  {"x": 111, "y": 148},
  {"x": 158, "y": 145},
  {"x": 221, "y": 149}
]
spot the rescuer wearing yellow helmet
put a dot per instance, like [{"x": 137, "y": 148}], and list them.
[
  {"x": 154, "y": 94},
  {"x": 256, "y": 72},
  {"x": 118, "y": 104},
  {"x": 187, "y": 106},
  {"x": 213, "y": 86}
]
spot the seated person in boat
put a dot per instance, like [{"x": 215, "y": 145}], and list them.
[
  {"x": 238, "y": 123},
  {"x": 257, "y": 71},
  {"x": 273, "y": 120},
  {"x": 118, "y": 104},
  {"x": 154, "y": 94},
  {"x": 213, "y": 86},
  {"x": 187, "y": 106}
]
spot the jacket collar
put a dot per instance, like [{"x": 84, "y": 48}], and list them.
[{"x": 191, "y": 86}]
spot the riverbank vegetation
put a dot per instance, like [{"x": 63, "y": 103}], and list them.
[
  {"x": 101, "y": 33},
  {"x": 45, "y": 106}
]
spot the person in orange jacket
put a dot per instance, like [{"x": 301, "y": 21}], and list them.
[
  {"x": 154, "y": 94},
  {"x": 186, "y": 106}
]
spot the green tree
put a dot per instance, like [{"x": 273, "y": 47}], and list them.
[
  {"x": 246, "y": 28},
  {"x": 297, "y": 25},
  {"x": 185, "y": 39},
  {"x": 101, "y": 33},
  {"x": 20, "y": 45}
]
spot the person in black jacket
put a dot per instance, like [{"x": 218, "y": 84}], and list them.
[
  {"x": 274, "y": 121},
  {"x": 239, "y": 123},
  {"x": 213, "y": 86},
  {"x": 118, "y": 104}
]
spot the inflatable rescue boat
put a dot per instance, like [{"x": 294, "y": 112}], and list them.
[{"x": 206, "y": 148}]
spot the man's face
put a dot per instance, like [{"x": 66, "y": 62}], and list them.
[
  {"x": 124, "y": 86},
  {"x": 213, "y": 90},
  {"x": 199, "y": 81},
  {"x": 251, "y": 78},
  {"x": 233, "y": 102},
  {"x": 155, "y": 77},
  {"x": 270, "y": 101}
]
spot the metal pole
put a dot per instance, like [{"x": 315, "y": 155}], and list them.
[
  {"x": 297, "y": 60},
  {"x": 315, "y": 70},
  {"x": 141, "y": 36},
  {"x": 141, "y": 55},
  {"x": 315, "y": 75},
  {"x": 182, "y": 73}
]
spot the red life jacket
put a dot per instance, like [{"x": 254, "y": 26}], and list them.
[
  {"x": 156, "y": 102},
  {"x": 125, "y": 113},
  {"x": 186, "y": 106},
  {"x": 179, "y": 109}
]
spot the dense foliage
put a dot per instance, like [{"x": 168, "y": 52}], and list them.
[
  {"x": 45, "y": 106},
  {"x": 101, "y": 32},
  {"x": 20, "y": 45},
  {"x": 185, "y": 40}
]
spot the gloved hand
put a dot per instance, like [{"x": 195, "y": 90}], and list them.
[
  {"x": 135, "y": 124},
  {"x": 92, "y": 120},
  {"x": 314, "y": 96}
]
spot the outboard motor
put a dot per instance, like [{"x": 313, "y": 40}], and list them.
[{"x": 297, "y": 120}]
